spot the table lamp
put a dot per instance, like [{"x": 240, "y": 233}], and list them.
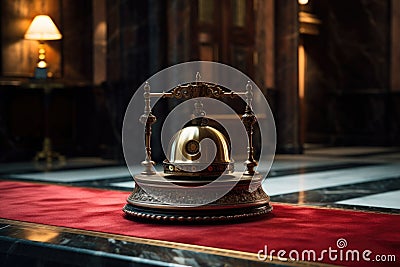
[{"x": 42, "y": 29}]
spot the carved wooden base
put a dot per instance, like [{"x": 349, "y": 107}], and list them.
[
  {"x": 155, "y": 199},
  {"x": 235, "y": 215}
]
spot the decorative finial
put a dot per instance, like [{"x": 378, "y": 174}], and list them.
[
  {"x": 198, "y": 109},
  {"x": 146, "y": 96},
  {"x": 249, "y": 94},
  {"x": 147, "y": 86},
  {"x": 198, "y": 77},
  {"x": 249, "y": 119},
  {"x": 198, "y": 105}
]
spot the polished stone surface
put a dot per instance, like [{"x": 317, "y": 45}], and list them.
[
  {"x": 325, "y": 179},
  {"x": 23, "y": 244},
  {"x": 40, "y": 167},
  {"x": 79, "y": 175},
  {"x": 390, "y": 200}
]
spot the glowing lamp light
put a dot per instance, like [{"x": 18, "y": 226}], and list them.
[{"x": 42, "y": 28}]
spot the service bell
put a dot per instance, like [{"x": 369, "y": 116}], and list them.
[{"x": 198, "y": 166}]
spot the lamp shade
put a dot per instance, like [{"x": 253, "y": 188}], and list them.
[{"x": 43, "y": 28}]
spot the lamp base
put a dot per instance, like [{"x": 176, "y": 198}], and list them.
[
  {"x": 40, "y": 73},
  {"x": 48, "y": 156}
]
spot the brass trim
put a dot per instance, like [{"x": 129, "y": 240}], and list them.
[
  {"x": 308, "y": 18},
  {"x": 194, "y": 216},
  {"x": 201, "y": 208},
  {"x": 335, "y": 208},
  {"x": 309, "y": 23}
]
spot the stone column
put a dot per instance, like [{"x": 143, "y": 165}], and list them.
[
  {"x": 395, "y": 48},
  {"x": 180, "y": 31},
  {"x": 264, "y": 45},
  {"x": 286, "y": 76}
]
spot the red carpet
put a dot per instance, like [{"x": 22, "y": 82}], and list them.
[{"x": 288, "y": 228}]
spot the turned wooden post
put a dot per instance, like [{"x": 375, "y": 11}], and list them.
[
  {"x": 249, "y": 119},
  {"x": 147, "y": 119}
]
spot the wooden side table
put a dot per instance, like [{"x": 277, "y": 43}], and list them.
[{"x": 47, "y": 155}]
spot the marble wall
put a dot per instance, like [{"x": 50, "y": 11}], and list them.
[
  {"x": 347, "y": 77},
  {"x": 352, "y": 93}
]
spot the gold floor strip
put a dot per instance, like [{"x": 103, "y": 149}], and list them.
[
  {"x": 333, "y": 208},
  {"x": 161, "y": 243}
]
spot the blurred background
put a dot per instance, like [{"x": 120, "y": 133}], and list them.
[{"x": 329, "y": 69}]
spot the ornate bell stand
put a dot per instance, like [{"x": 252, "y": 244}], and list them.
[{"x": 154, "y": 192}]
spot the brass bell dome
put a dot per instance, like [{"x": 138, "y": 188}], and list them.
[{"x": 192, "y": 154}]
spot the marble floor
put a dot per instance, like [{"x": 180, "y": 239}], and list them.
[
  {"x": 365, "y": 178},
  {"x": 356, "y": 178}
]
